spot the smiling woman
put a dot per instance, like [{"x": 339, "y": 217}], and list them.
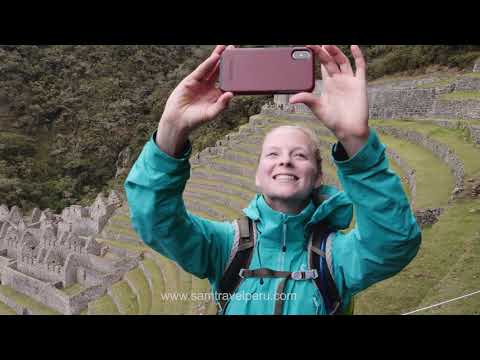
[
  {"x": 290, "y": 168},
  {"x": 288, "y": 242}
]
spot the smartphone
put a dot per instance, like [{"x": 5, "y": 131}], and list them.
[{"x": 263, "y": 71}]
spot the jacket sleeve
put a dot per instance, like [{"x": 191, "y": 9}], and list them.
[
  {"x": 387, "y": 236},
  {"x": 154, "y": 191}
]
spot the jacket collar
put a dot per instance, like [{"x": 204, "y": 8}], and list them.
[{"x": 336, "y": 209}]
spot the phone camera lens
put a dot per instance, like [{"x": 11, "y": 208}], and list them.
[{"x": 301, "y": 55}]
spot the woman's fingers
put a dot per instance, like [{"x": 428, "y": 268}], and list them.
[
  {"x": 208, "y": 66},
  {"x": 222, "y": 103},
  {"x": 329, "y": 64},
  {"x": 340, "y": 58},
  {"x": 304, "y": 98},
  {"x": 360, "y": 62}
]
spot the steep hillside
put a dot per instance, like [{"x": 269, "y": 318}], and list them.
[{"x": 73, "y": 118}]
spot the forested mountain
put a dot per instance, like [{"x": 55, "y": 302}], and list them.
[{"x": 71, "y": 117}]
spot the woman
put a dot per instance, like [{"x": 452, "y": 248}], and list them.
[{"x": 289, "y": 177}]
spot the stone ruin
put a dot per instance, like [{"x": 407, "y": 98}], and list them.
[
  {"x": 476, "y": 67},
  {"x": 403, "y": 99},
  {"x": 45, "y": 253}
]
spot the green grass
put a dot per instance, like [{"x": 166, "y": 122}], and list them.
[
  {"x": 461, "y": 96},
  {"x": 456, "y": 139},
  {"x": 138, "y": 281},
  {"x": 103, "y": 306},
  {"x": 214, "y": 172},
  {"x": 84, "y": 312},
  {"x": 124, "y": 245},
  {"x": 444, "y": 268},
  {"x": 472, "y": 75},
  {"x": 125, "y": 298},
  {"x": 227, "y": 211},
  {"x": 216, "y": 194},
  {"x": 158, "y": 287},
  {"x": 234, "y": 163},
  {"x": 25, "y": 301},
  {"x": 124, "y": 230},
  {"x": 5, "y": 310},
  {"x": 213, "y": 183},
  {"x": 205, "y": 307},
  {"x": 176, "y": 282},
  {"x": 73, "y": 289},
  {"x": 438, "y": 83},
  {"x": 122, "y": 219},
  {"x": 434, "y": 179}
]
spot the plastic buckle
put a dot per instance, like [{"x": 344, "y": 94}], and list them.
[
  {"x": 305, "y": 275},
  {"x": 297, "y": 275},
  {"x": 312, "y": 274},
  {"x": 242, "y": 273}
]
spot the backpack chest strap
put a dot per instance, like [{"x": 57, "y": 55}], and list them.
[
  {"x": 285, "y": 275},
  {"x": 273, "y": 274}
]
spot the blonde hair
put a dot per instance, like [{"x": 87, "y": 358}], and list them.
[{"x": 311, "y": 136}]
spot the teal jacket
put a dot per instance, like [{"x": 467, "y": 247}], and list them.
[{"x": 385, "y": 240}]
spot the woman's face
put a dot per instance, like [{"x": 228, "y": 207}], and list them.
[{"x": 288, "y": 170}]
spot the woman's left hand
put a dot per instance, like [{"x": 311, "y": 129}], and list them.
[{"x": 343, "y": 104}]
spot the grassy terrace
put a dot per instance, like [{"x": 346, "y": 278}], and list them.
[
  {"x": 229, "y": 213},
  {"x": 5, "y": 310},
  {"x": 125, "y": 298},
  {"x": 139, "y": 283},
  {"x": 158, "y": 287},
  {"x": 73, "y": 290},
  {"x": 446, "y": 267},
  {"x": 461, "y": 96},
  {"x": 103, "y": 306},
  {"x": 25, "y": 301},
  {"x": 454, "y": 138}
]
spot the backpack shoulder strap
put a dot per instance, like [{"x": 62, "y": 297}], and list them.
[
  {"x": 318, "y": 260},
  {"x": 241, "y": 258}
]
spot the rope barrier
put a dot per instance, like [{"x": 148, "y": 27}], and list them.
[{"x": 443, "y": 303}]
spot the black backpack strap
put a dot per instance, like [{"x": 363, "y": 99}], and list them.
[
  {"x": 318, "y": 260},
  {"x": 241, "y": 258}
]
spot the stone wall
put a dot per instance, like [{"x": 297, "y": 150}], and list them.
[
  {"x": 476, "y": 67},
  {"x": 38, "y": 290},
  {"x": 403, "y": 99}
]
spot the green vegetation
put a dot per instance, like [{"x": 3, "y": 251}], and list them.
[
  {"x": 5, "y": 310},
  {"x": 103, "y": 306},
  {"x": 73, "y": 289},
  {"x": 125, "y": 298},
  {"x": 438, "y": 83},
  {"x": 68, "y": 98},
  {"x": 461, "y": 96},
  {"x": 416, "y": 59},
  {"x": 25, "y": 301},
  {"x": 139, "y": 283},
  {"x": 158, "y": 287}
]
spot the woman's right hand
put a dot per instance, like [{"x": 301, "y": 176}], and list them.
[{"x": 194, "y": 102}]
